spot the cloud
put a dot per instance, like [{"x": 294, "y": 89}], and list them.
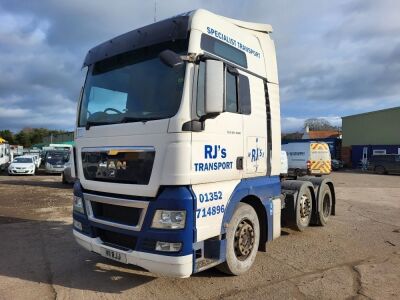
[{"x": 335, "y": 58}]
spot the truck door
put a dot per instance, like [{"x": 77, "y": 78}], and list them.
[
  {"x": 217, "y": 156},
  {"x": 255, "y": 127},
  {"x": 217, "y": 150}
]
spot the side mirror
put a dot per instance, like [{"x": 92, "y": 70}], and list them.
[
  {"x": 214, "y": 87},
  {"x": 170, "y": 58}
]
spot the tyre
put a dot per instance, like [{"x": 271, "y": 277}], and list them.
[
  {"x": 325, "y": 207},
  {"x": 242, "y": 240},
  {"x": 63, "y": 180},
  {"x": 380, "y": 170},
  {"x": 303, "y": 209}
]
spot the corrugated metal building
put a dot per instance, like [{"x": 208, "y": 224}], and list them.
[{"x": 370, "y": 133}]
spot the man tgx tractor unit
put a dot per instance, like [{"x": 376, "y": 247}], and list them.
[{"x": 178, "y": 149}]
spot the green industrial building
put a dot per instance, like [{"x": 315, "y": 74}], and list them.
[
  {"x": 380, "y": 127},
  {"x": 370, "y": 133}
]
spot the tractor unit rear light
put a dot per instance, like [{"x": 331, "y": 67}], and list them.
[
  {"x": 308, "y": 164},
  {"x": 168, "y": 247}
]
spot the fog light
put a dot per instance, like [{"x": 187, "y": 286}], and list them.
[
  {"x": 78, "y": 225},
  {"x": 168, "y": 247}
]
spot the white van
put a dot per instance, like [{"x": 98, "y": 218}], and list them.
[
  {"x": 308, "y": 158},
  {"x": 284, "y": 164}
]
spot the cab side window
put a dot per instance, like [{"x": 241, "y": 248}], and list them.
[
  {"x": 237, "y": 92},
  {"x": 231, "y": 95}
]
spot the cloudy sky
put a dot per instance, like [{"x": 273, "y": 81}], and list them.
[{"x": 335, "y": 58}]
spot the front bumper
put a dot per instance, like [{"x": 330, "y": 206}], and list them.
[
  {"x": 55, "y": 171},
  {"x": 21, "y": 172},
  {"x": 122, "y": 224},
  {"x": 173, "y": 266}
]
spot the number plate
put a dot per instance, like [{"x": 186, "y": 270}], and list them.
[{"x": 114, "y": 255}]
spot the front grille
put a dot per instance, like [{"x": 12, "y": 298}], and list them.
[
  {"x": 132, "y": 165},
  {"x": 118, "y": 214},
  {"x": 117, "y": 240}
]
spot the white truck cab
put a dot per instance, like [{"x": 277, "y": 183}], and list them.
[{"x": 178, "y": 148}]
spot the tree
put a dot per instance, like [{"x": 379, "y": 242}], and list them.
[
  {"x": 318, "y": 124},
  {"x": 22, "y": 138},
  {"x": 291, "y": 136}
]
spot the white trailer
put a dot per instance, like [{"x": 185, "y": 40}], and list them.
[
  {"x": 5, "y": 154},
  {"x": 308, "y": 158},
  {"x": 178, "y": 149}
]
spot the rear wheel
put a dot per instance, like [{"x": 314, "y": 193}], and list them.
[
  {"x": 380, "y": 170},
  {"x": 242, "y": 240},
  {"x": 325, "y": 207},
  {"x": 303, "y": 209}
]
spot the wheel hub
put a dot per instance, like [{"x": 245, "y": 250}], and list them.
[
  {"x": 305, "y": 207},
  {"x": 244, "y": 239}
]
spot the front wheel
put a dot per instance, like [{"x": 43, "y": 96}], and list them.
[
  {"x": 380, "y": 170},
  {"x": 242, "y": 240},
  {"x": 63, "y": 179}
]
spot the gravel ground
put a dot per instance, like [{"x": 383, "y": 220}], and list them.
[{"x": 357, "y": 255}]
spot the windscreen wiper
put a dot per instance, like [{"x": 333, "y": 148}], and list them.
[
  {"x": 137, "y": 119},
  {"x": 91, "y": 123}
]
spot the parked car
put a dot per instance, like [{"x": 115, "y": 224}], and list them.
[
  {"x": 55, "y": 161},
  {"x": 36, "y": 158},
  {"x": 385, "y": 164},
  {"x": 22, "y": 165},
  {"x": 336, "y": 164}
]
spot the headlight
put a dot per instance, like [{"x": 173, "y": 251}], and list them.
[
  {"x": 169, "y": 219},
  {"x": 78, "y": 204}
]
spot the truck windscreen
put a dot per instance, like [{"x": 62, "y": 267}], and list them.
[{"x": 132, "y": 87}]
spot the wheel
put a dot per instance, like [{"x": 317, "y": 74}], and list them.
[
  {"x": 64, "y": 181},
  {"x": 325, "y": 208},
  {"x": 380, "y": 170},
  {"x": 303, "y": 209},
  {"x": 242, "y": 240}
]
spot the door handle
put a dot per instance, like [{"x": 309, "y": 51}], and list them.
[{"x": 239, "y": 163}]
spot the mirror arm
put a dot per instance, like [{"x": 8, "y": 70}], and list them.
[
  {"x": 209, "y": 116},
  {"x": 191, "y": 57}
]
